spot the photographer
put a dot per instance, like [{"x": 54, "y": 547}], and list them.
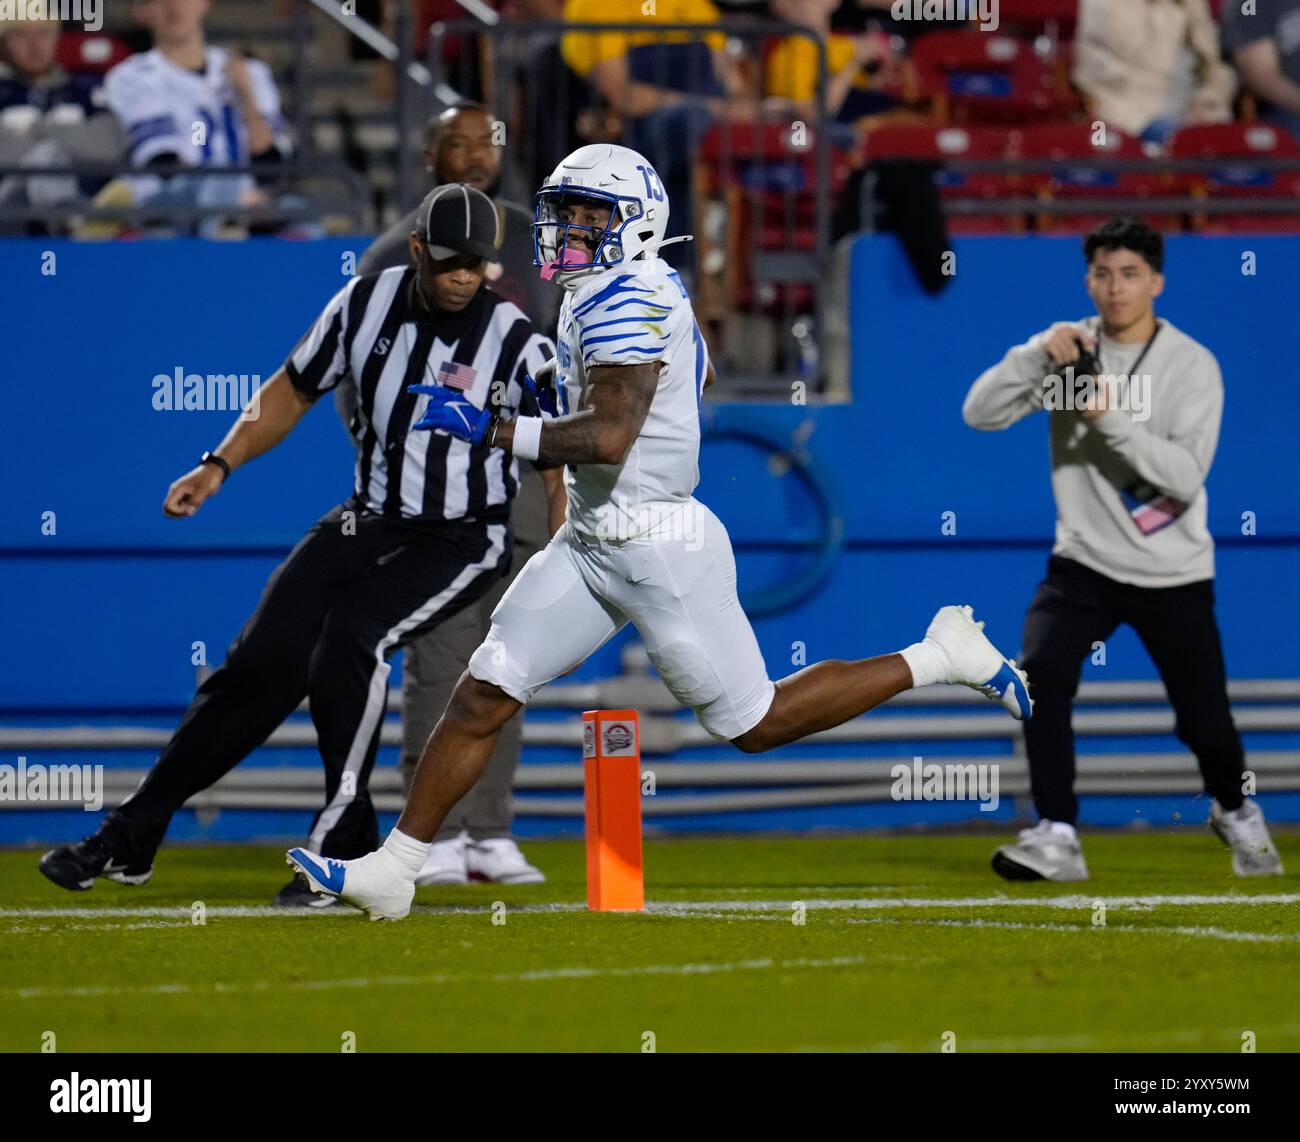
[{"x": 1132, "y": 543}]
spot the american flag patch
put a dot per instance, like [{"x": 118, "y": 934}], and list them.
[
  {"x": 457, "y": 376},
  {"x": 1150, "y": 509}
]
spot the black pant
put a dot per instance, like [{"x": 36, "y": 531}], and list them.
[
  {"x": 356, "y": 588},
  {"x": 1076, "y": 607}
]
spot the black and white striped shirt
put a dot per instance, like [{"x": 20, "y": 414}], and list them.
[{"x": 376, "y": 334}]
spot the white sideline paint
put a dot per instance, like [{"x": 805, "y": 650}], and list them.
[
  {"x": 682, "y": 908},
  {"x": 540, "y": 975},
  {"x": 1072, "y": 901},
  {"x": 1184, "y": 930},
  {"x": 726, "y": 909}
]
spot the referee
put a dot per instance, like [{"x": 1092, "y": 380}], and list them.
[
  {"x": 1129, "y": 462},
  {"x": 475, "y": 841},
  {"x": 424, "y": 535}
]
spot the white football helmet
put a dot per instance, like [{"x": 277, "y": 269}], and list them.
[{"x": 605, "y": 176}]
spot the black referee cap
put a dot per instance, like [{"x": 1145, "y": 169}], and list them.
[{"x": 457, "y": 218}]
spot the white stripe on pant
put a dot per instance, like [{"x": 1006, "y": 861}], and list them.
[{"x": 375, "y": 698}]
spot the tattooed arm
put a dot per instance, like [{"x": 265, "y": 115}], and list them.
[{"x": 614, "y": 407}]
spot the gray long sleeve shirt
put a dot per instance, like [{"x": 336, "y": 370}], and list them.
[{"x": 1165, "y": 439}]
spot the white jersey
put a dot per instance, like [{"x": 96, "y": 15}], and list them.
[
  {"x": 635, "y": 315},
  {"x": 168, "y": 109}
]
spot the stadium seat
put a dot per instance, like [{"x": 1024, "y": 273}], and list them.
[
  {"x": 1034, "y": 16},
  {"x": 1240, "y": 176},
  {"x": 1070, "y": 149},
  {"x": 942, "y": 144},
  {"x": 92, "y": 52},
  {"x": 767, "y": 185},
  {"x": 975, "y": 77}
]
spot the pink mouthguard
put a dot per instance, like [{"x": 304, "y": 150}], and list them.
[{"x": 551, "y": 268}]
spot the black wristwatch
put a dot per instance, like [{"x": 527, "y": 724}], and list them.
[{"x": 213, "y": 458}]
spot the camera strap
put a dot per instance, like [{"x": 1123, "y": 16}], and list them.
[
  {"x": 1150, "y": 509},
  {"x": 1133, "y": 368}
]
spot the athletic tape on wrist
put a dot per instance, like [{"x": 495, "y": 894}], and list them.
[{"x": 528, "y": 437}]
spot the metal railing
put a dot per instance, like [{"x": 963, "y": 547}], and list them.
[
  {"x": 915, "y": 720},
  {"x": 301, "y": 165},
  {"x": 1075, "y": 202},
  {"x": 280, "y": 178},
  {"x": 781, "y": 194}
]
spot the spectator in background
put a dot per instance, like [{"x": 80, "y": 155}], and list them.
[
  {"x": 1149, "y": 67},
  {"x": 461, "y": 145},
  {"x": 860, "y": 69},
  {"x": 907, "y": 22},
  {"x": 48, "y": 118},
  {"x": 1129, "y": 462},
  {"x": 570, "y": 114},
  {"x": 30, "y": 75},
  {"x": 1265, "y": 46},
  {"x": 669, "y": 87},
  {"x": 185, "y": 104}
]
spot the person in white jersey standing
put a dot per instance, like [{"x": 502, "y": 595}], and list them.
[
  {"x": 637, "y": 546},
  {"x": 186, "y": 105}
]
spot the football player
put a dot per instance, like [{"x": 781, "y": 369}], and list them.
[{"x": 637, "y": 546}]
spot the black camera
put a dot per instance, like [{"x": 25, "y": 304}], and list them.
[
  {"x": 1070, "y": 386},
  {"x": 1087, "y": 365}
]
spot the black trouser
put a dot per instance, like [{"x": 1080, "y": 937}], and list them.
[
  {"x": 355, "y": 589},
  {"x": 1076, "y": 607}
]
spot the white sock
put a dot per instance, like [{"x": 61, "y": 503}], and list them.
[
  {"x": 407, "y": 851},
  {"x": 927, "y": 662},
  {"x": 1064, "y": 830}
]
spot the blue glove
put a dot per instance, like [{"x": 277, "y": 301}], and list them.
[
  {"x": 544, "y": 396},
  {"x": 452, "y": 412}
]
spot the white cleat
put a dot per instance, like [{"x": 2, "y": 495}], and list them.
[
  {"x": 1045, "y": 852},
  {"x": 1243, "y": 830},
  {"x": 445, "y": 863},
  {"x": 977, "y": 663},
  {"x": 375, "y": 883},
  {"x": 499, "y": 860}
]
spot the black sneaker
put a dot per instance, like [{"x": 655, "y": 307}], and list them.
[
  {"x": 296, "y": 894},
  {"x": 76, "y": 866}
]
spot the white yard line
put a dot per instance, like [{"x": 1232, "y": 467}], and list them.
[
  {"x": 20, "y": 919},
  {"x": 541, "y": 975},
  {"x": 1072, "y": 901},
  {"x": 682, "y": 907},
  {"x": 1183, "y": 930}
]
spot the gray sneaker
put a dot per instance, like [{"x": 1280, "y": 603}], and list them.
[
  {"x": 1041, "y": 854},
  {"x": 1243, "y": 830}
]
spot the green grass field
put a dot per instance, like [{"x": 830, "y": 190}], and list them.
[{"x": 904, "y": 939}]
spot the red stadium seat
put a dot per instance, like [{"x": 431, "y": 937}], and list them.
[
  {"x": 975, "y": 77},
  {"x": 1069, "y": 148},
  {"x": 944, "y": 143},
  {"x": 429, "y": 12},
  {"x": 92, "y": 52},
  {"x": 1035, "y": 15},
  {"x": 768, "y": 185},
  {"x": 1239, "y": 176}
]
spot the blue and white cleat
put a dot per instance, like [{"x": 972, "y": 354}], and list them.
[
  {"x": 975, "y": 662},
  {"x": 375, "y": 883}
]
